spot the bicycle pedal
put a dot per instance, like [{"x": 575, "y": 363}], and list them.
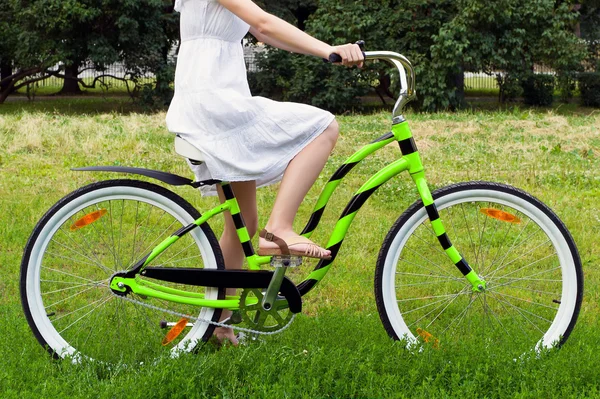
[{"x": 286, "y": 261}]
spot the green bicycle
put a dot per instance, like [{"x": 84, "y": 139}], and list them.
[{"x": 126, "y": 270}]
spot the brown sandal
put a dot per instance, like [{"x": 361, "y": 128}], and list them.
[{"x": 311, "y": 251}]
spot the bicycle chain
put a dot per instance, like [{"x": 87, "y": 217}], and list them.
[{"x": 198, "y": 319}]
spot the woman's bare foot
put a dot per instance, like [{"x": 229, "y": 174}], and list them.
[
  {"x": 289, "y": 236},
  {"x": 224, "y": 334}
]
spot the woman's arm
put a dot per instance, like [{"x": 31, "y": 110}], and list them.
[
  {"x": 272, "y": 42},
  {"x": 276, "y": 32}
]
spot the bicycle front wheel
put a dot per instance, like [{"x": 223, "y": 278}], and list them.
[
  {"x": 89, "y": 235},
  {"x": 512, "y": 240}
]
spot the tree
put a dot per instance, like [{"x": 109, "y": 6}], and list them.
[
  {"x": 590, "y": 32},
  {"x": 82, "y": 33},
  {"x": 507, "y": 38},
  {"x": 7, "y": 43},
  {"x": 407, "y": 27},
  {"x": 443, "y": 39},
  {"x": 102, "y": 32},
  {"x": 27, "y": 55}
]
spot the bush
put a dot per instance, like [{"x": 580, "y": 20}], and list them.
[
  {"x": 509, "y": 85},
  {"x": 158, "y": 94},
  {"x": 566, "y": 83},
  {"x": 589, "y": 86},
  {"x": 538, "y": 89},
  {"x": 275, "y": 71}
]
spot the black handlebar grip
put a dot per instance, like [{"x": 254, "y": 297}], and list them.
[{"x": 336, "y": 58}]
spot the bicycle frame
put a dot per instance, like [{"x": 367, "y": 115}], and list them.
[{"x": 410, "y": 161}]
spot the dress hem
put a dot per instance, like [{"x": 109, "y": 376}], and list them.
[{"x": 211, "y": 190}]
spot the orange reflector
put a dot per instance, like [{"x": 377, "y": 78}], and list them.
[
  {"x": 175, "y": 331},
  {"x": 88, "y": 219},
  {"x": 428, "y": 338},
  {"x": 500, "y": 215}
]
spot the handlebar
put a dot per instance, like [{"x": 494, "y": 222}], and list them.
[{"x": 407, "y": 82}]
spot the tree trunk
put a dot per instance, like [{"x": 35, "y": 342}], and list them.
[
  {"x": 71, "y": 85},
  {"x": 459, "y": 83},
  {"x": 5, "y": 71},
  {"x": 3, "y": 95}
]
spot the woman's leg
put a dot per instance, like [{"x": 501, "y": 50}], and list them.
[
  {"x": 233, "y": 254},
  {"x": 298, "y": 178}
]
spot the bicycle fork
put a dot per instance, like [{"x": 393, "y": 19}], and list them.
[
  {"x": 410, "y": 152},
  {"x": 478, "y": 283}
]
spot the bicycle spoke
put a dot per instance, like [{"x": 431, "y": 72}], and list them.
[
  {"x": 418, "y": 284},
  {"x": 442, "y": 311},
  {"x": 515, "y": 245},
  {"x": 88, "y": 246},
  {"x": 95, "y": 227},
  {"x": 499, "y": 250},
  {"x": 159, "y": 238},
  {"x": 425, "y": 297},
  {"x": 440, "y": 268},
  {"x": 529, "y": 277},
  {"x": 526, "y": 266},
  {"x": 193, "y": 243},
  {"x": 70, "y": 297},
  {"x": 554, "y": 294},
  {"x": 405, "y": 312},
  {"x": 138, "y": 227},
  {"x": 427, "y": 275},
  {"x": 437, "y": 247},
  {"x": 468, "y": 229},
  {"x": 163, "y": 264},
  {"x": 554, "y": 308},
  {"x": 486, "y": 251},
  {"x": 78, "y": 261},
  {"x": 459, "y": 317},
  {"x": 522, "y": 311},
  {"x": 103, "y": 300},
  {"x": 76, "y": 286},
  {"x": 68, "y": 274}
]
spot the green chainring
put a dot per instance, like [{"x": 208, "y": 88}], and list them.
[{"x": 260, "y": 319}]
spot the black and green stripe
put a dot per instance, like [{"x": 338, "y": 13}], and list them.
[{"x": 238, "y": 220}]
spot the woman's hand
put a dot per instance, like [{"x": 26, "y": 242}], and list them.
[{"x": 351, "y": 54}]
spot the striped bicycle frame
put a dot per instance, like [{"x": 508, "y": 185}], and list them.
[{"x": 410, "y": 161}]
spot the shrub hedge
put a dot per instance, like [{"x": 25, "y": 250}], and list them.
[
  {"x": 538, "y": 89},
  {"x": 589, "y": 86}
]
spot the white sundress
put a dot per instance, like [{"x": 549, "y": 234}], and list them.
[{"x": 242, "y": 137}]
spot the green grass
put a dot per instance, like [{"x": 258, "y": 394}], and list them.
[{"x": 337, "y": 347}]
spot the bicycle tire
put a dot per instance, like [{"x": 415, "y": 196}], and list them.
[
  {"x": 530, "y": 264},
  {"x": 65, "y": 272}
]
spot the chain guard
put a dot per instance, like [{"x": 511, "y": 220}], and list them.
[{"x": 260, "y": 319}]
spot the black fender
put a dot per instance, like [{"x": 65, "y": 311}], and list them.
[{"x": 164, "y": 177}]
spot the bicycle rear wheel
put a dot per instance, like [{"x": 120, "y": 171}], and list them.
[
  {"x": 513, "y": 241},
  {"x": 81, "y": 242}
]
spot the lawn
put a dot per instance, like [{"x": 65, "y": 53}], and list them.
[{"x": 338, "y": 346}]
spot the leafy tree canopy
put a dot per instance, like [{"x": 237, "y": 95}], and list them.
[
  {"x": 76, "y": 32},
  {"x": 444, "y": 38}
]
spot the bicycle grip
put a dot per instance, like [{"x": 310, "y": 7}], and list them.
[{"x": 333, "y": 58}]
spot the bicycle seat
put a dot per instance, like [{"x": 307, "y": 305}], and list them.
[{"x": 187, "y": 150}]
